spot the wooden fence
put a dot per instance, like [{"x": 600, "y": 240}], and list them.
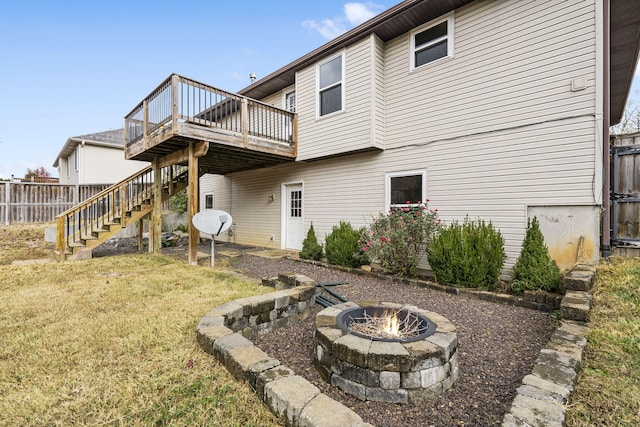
[
  {"x": 29, "y": 202},
  {"x": 26, "y": 202}
]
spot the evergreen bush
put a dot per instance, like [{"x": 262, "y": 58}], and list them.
[
  {"x": 469, "y": 255},
  {"x": 535, "y": 269},
  {"x": 342, "y": 247},
  {"x": 311, "y": 249}
]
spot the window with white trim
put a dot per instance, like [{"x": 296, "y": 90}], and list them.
[
  {"x": 407, "y": 188},
  {"x": 431, "y": 43},
  {"x": 330, "y": 77},
  {"x": 290, "y": 102},
  {"x": 76, "y": 157},
  {"x": 209, "y": 201}
]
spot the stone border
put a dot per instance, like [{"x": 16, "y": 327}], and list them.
[
  {"x": 540, "y": 400},
  {"x": 391, "y": 372},
  {"x": 224, "y": 332}
]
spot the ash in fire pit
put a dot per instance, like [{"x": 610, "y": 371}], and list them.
[
  {"x": 385, "y": 324},
  {"x": 417, "y": 361}
]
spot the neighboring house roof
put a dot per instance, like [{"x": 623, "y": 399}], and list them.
[
  {"x": 405, "y": 16},
  {"x": 109, "y": 138}
]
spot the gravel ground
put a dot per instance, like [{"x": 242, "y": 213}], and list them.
[
  {"x": 497, "y": 347},
  {"x": 497, "y": 344}
]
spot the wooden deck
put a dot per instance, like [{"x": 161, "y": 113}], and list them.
[{"x": 232, "y": 132}]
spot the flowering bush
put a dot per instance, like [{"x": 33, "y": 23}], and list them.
[{"x": 399, "y": 239}]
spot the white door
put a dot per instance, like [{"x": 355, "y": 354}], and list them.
[{"x": 294, "y": 223}]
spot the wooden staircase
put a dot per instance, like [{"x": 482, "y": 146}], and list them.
[{"x": 97, "y": 219}]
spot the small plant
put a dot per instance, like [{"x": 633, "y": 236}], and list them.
[
  {"x": 399, "y": 239},
  {"x": 470, "y": 255},
  {"x": 182, "y": 227},
  {"x": 311, "y": 249},
  {"x": 535, "y": 269},
  {"x": 342, "y": 248},
  {"x": 179, "y": 201}
]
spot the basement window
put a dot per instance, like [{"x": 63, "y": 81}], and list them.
[
  {"x": 405, "y": 189},
  {"x": 209, "y": 201},
  {"x": 432, "y": 43}
]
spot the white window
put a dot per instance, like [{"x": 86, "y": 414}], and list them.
[
  {"x": 76, "y": 158},
  {"x": 209, "y": 201},
  {"x": 290, "y": 102},
  {"x": 432, "y": 42},
  {"x": 407, "y": 188},
  {"x": 330, "y": 78},
  {"x": 67, "y": 165}
]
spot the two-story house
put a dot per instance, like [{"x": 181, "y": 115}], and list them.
[
  {"x": 497, "y": 110},
  {"x": 492, "y": 109},
  {"x": 96, "y": 158}
]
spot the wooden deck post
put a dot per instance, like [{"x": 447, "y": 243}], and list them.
[
  {"x": 60, "y": 240},
  {"x": 155, "y": 225},
  {"x": 194, "y": 234}
]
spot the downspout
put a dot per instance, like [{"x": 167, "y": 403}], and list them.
[{"x": 606, "y": 156}]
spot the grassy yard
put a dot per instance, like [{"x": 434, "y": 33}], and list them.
[
  {"x": 608, "y": 390},
  {"x": 112, "y": 341}
]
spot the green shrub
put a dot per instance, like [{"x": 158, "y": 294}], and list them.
[
  {"x": 399, "y": 239},
  {"x": 469, "y": 255},
  {"x": 179, "y": 201},
  {"x": 535, "y": 269},
  {"x": 311, "y": 249},
  {"x": 341, "y": 247}
]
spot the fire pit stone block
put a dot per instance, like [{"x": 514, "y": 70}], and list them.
[{"x": 386, "y": 371}]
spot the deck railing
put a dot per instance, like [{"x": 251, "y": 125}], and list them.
[
  {"x": 182, "y": 100},
  {"x": 110, "y": 206}
]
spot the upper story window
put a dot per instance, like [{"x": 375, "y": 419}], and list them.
[
  {"x": 405, "y": 189},
  {"x": 290, "y": 102},
  {"x": 76, "y": 158},
  {"x": 330, "y": 78},
  {"x": 431, "y": 43}
]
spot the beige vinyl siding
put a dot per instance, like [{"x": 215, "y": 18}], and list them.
[
  {"x": 494, "y": 177},
  {"x": 377, "y": 92},
  {"x": 103, "y": 165},
  {"x": 217, "y": 184},
  {"x": 351, "y": 129},
  {"x": 513, "y": 65}
]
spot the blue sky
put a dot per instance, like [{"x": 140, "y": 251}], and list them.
[{"x": 73, "y": 67}]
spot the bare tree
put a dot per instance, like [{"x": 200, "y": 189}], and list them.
[
  {"x": 630, "y": 121},
  {"x": 40, "y": 172}
]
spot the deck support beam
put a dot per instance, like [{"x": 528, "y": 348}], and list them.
[
  {"x": 155, "y": 225},
  {"x": 194, "y": 234}
]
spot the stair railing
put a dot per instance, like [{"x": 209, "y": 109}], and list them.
[{"x": 111, "y": 207}]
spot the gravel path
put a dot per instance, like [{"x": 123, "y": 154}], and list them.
[{"x": 497, "y": 347}]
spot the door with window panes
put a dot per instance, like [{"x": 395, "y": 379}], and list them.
[{"x": 294, "y": 231}]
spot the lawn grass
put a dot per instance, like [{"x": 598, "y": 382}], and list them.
[
  {"x": 24, "y": 241},
  {"x": 608, "y": 389},
  {"x": 111, "y": 341}
]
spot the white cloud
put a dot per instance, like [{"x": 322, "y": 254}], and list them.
[
  {"x": 328, "y": 28},
  {"x": 357, "y": 13},
  {"x": 354, "y": 14}
]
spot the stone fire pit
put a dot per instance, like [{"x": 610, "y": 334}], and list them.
[{"x": 383, "y": 369}]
